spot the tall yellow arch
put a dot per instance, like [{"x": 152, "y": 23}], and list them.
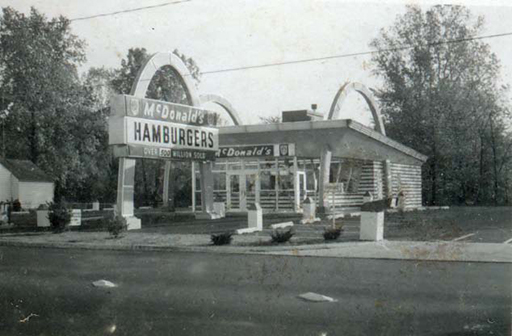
[
  {"x": 225, "y": 104},
  {"x": 342, "y": 93}
]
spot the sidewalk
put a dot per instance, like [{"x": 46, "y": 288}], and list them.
[{"x": 254, "y": 244}]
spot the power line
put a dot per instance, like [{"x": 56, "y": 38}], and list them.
[
  {"x": 129, "y": 10},
  {"x": 352, "y": 54}
]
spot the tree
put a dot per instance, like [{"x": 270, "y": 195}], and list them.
[
  {"x": 49, "y": 107},
  {"x": 270, "y": 120},
  {"x": 55, "y": 120},
  {"x": 439, "y": 96},
  {"x": 39, "y": 78}
]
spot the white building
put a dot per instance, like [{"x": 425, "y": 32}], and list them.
[{"x": 23, "y": 180}]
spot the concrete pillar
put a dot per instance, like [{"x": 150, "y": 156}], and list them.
[
  {"x": 296, "y": 186},
  {"x": 325, "y": 167},
  {"x": 206, "y": 190},
  {"x": 125, "y": 191},
  {"x": 258, "y": 183},
  {"x": 276, "y": 187},
  {"x": 242, "y": 183},
  {"x": 96, "y": 206}
]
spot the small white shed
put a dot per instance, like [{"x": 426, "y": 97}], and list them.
[{"x": 23, "y": 180}]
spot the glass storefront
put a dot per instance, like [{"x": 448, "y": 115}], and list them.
[{"x": 279, "y": 184}]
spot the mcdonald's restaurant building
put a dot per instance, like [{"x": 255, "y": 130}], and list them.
[{"x": 335, "y": 162}]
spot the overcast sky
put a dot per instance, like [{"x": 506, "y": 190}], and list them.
[{"x": 225, "y": 34}]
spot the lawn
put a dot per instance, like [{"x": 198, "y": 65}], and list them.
[{"x": 447, "y": 224}]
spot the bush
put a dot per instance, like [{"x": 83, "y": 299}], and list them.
[
  {"x": 281, "y": 236},
  {"x": 331, "y": 233},
  {"x": 222, "y": 239},
  {"x": 16, "y": 205},
  {"x": 59, "y": 216},
  {"x": 116, "y": 224}
]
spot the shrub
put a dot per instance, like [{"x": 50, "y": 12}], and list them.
[
  {"x": 281, "y": 236},
  {"x": 222, "y": 239},
  {"x": 59, "y": 216},
  {"x": 331, "y": 233},
  {"x": 16, "y": 205},
  {"x": 116, "y": 224}
]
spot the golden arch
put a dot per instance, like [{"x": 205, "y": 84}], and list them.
[
  {"x": 151, "y": 66},
  {"x": 342, "y": 93},
  {"x": 127, "y": 165},
  {"x": 225, "y": 104}
]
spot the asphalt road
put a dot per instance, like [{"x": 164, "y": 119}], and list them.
[{"x": 214, "y": 294}]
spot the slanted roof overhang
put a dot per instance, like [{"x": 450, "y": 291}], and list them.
[
  {"x": 345, "y": 138},
  {"x": 25, "y": 171}
]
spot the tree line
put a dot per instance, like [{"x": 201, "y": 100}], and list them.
[
  {"x": 58, "y": 119},
  {"x": 442, "y": 96},
  {"x": 444, "y": 99}
]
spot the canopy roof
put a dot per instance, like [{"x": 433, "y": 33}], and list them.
[{"x": 345, "y": 138}]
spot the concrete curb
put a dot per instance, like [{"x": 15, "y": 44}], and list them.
[{"x": 352, "y": 250}]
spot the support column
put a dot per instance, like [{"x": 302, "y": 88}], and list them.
[
  {"x": 276, "y": 187},
  {"x": 242, "y": 182},
  {"x": 193, "y": 186},
  {"x": 125, "y": 191},
  {"x": 325, "y": 167},
  {"x": 206, "y": 189},
  {"x": 296, "y": 186},
  {"x": 389, "y": 179},
  {"x": 258, "y": 183},
  {"x": 168, "y": 187}
]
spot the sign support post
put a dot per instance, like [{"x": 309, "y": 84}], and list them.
[
  {"x": 145, "y": 128},
  {"x": 125, "y": 191}
]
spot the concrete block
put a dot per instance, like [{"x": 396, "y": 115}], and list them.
[
  {"x": 247, "y": 230},
  {"x": 372, "y": 226},
  {"x": 220, "y": 209},
  {"x": 281, "y": 225},
  {"x": 255, "y": 216},
  {"x": 133, "y": 223},
  {"x": 96, "y": 206},
  {"x": 310, "y": 220},
  {"x": 207, "y": 215},
  {"x": 42, "y": 218}
]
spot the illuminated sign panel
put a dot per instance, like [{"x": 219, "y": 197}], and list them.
[
  {"x": 273, "y": 150},
  {"x": 155, "y": 129},
  {"x": 170, "y": 135},
  {"x": 130, "y": 106}
]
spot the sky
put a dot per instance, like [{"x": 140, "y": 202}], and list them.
[{"x": 227, "y": 34}]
